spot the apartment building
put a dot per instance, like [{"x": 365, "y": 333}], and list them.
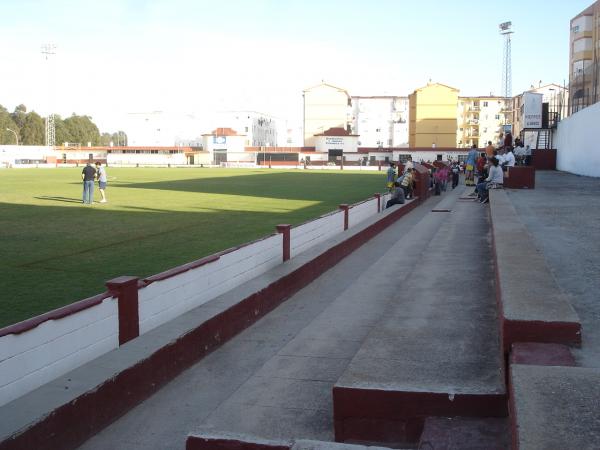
[
  {"x": 433, "y": 116},
  {"x": 480, "y": 120},
  {"x": 325, "y": 107},
  {"x": 260, "y": 129},
  {"x": 584, "y": 58},
  {"x": 381, "y": 121}
]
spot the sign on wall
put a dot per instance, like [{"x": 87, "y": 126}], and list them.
[
  {"x": 531, "y": 110},
  {"x": 334, "y": 140},
  {"x": 220, "y": 140}
]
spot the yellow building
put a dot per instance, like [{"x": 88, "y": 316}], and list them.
[
  {"x": 325, "y": 107},
  {"x": 432, "y": 116},
  {"x": 584, "y": 58}
]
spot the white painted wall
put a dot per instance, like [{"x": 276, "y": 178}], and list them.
[
  {"x": 164, "y": 300},
  {"x": 576, "y": 142},
  {"x": 9, "y": 154},
  {"x": 361, "y": 212},
  {"x": 53, "y": 348},
  {"x": 161, "y": 158},
  {"x": 314, "y": 232}
]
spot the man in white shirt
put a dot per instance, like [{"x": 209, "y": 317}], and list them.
[{"x": 509, "y": 158}]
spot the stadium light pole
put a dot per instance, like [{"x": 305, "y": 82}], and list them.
[{"x": 15, "y": 133}]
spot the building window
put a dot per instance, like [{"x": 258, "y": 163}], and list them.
[
  {"x": 246, "y": 129},
  {"x": 497, "y": 116},
  {"x": 485, "y": 104},
  {"x": 575, "y": 29}
]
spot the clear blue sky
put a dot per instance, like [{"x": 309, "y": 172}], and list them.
[{"x": 118, "y": 56}]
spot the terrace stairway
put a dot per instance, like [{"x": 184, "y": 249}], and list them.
[{"x": 396, "y": 298}]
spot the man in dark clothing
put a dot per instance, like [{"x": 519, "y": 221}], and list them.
[
  {"x": 88, "y": 175},
  {"x": 397, "y": 196}
]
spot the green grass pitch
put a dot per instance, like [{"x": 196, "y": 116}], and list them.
[{"x": 55, "y": 250}]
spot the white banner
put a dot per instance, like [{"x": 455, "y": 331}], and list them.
[{"x": 532, "y": 110}]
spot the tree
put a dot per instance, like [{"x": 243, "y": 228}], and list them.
[
  {"x": 6, "y": 121},
  {"x": 82, "y": 130},
  {"x": 61, "y": 134},
  {"x": 33, "y": 131},
  {"x": 119, "y": 138},
  {"x": 105, "y": 139},
  {"x": 19, "y": 115}
]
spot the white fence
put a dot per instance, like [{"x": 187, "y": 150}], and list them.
[
  {"x": 314, "y": 232},
  {"x": 166, "y": 299},
  {"x": 37, "y": 356},
  {"x": 38, "y": 353},
  {"x": 577, "y": 142}
]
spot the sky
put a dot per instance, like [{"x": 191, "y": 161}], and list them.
[{"x": 196, "y": 57}]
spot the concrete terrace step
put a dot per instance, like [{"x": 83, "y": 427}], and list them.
[
  {"x": 232, "y": 441},
  {"x": 291, "y": 394},
  {"x": 465, "y": 433},
  {"x": 555, "y": 407},
  {"x": 437, "y": 351},
  {"x": 532, "y": 306}
]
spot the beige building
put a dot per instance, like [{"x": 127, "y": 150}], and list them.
[
  {"x": 325, "y": 107},
  {"x": 584, "y": 58},
  {"x": 432, "y": 116},
  {"x": 480, "y": 120}
]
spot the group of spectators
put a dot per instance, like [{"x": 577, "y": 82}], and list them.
[
  {"x": 490, "y": 165},
  {"x": 401, "y": 186}
]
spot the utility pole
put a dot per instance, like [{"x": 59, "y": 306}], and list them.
[
  {"x": 47, "y": 51},
  {"x": 506, "y": 31}
]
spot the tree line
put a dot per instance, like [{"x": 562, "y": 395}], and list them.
[{"x": 30, "y": 128}]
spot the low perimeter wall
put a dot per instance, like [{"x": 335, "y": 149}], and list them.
[
  {"x": 38, "y": 350},
  {"x": 576, "y": 141}
]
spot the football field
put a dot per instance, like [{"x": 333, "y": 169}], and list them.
[{"x": 55, "y": 250}]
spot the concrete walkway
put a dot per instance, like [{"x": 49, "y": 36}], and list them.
[
  {"x": 274, "y": 380},
  {"x": 562, "y": 214}
]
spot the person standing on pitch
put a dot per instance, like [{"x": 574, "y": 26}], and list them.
[
  {"x": 101, "y": 175},
  {"x": 88, "y": 174}
]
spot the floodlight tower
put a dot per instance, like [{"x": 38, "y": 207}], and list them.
[
  {"x": 506, "y": 31},
  {"x": 48, "y": 50}
]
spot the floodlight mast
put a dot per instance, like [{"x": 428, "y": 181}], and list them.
[
  {"x": 506, "y": 31},
  {"x": 49, "y": 50}
]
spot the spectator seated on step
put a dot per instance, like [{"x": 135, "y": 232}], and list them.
[
  {"x": 519, "y": 153},
  {"x": 397, "y": 196},
  {"x": 509, "y": 158},
  {"x": 407, "y": 183},
  {"x": 495, "y": 180}
]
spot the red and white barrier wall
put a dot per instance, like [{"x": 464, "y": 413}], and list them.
[
  {"x": 166, "y": 298},
  {"x": 315, "y": 232},
  {"x": 33, "y": 357},
  {"x": 38, "y": 350}
]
